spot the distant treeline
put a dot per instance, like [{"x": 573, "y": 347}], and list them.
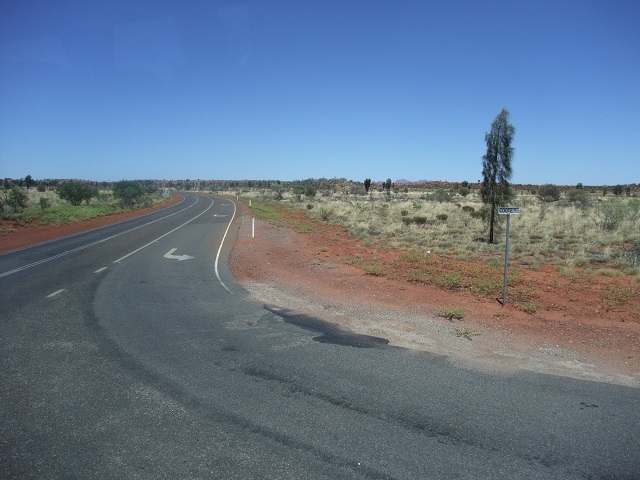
[{"x": 317, "y": 183}]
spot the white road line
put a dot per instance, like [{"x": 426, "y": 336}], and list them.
[
  {"x": 162, "y": 236},
  {"x": 101, "y": 270},
  {"x": 57, "y": 292},
  {"x": 54, "y": 257},
  {"x": 220, "y": 249}
]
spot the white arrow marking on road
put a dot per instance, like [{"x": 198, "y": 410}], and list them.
[{"x": 170, "y": 255}]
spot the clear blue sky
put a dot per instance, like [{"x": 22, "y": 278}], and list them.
[{"x": 112, "y": 90}]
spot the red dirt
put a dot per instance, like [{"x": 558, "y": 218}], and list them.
[
  {"x": 570, "y": 333},
  {"x": 569, "y": 324}
]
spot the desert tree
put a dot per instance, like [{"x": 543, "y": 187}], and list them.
[
  {"x": 17, "y": 198},
  {"x": 618, "y": 190},
  {"x": 496, "y": 166},
  {"x": 29, "y": 182},
  {"x": 367, "y": 184},
  {"x": 75, "y": 192},
  {"x": 128, "y": 192}
]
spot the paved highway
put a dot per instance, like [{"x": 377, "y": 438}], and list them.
[{"x": 129, "y": 352}]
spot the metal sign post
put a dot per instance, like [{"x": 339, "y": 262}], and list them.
[{"x": 508, "y": 211}]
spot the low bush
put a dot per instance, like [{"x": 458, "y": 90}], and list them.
[
  {"x": 325, "y": 214},
  {"x": 548, "y": 193},
  {"x": 451, "y": 312}
]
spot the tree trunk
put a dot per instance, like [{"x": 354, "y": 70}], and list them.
[{"x": 491, "y": 219}]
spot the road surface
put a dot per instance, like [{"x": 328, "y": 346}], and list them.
[{"x": 129, "y": 352}]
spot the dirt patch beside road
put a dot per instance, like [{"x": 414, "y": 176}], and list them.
[{"x": 306, "y": 272}]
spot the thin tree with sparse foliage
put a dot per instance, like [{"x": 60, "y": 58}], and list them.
[{"x": 496, "y": 166}]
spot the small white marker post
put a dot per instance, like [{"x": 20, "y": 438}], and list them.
[
  {"x": 253, "y": 228},
  {"x": 508, "y": 211}
]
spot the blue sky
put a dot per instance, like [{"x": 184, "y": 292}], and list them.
[{"x": 297, "y": 89}]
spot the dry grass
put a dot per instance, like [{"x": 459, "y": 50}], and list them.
[
  {"x": 558, "y": 233},
  {"x": 57, "y": 211},
  {"x": 448, "y": 248}
]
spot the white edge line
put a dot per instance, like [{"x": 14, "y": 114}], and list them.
[
  {"x": 162, "y": 236},
  {"x": 220, "y": 248},
  {"x": 57, "y": 292}
]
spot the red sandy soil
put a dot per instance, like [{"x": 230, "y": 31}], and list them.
[{"x": 571, "y": 332}]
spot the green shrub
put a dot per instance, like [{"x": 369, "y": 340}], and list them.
[
  {"x": 527, "y": 307},
  {"x": 128, "y": 192},
  {"x": 75, "y": 192},
  {"x": 615, "y": 296},
  {"x": 44, "y": 203},
  {"x": 618, "y": 190},
  {"x": 441, "y": 196},
  {"x": 325, "y": 214},
  {"x": 468, "y": 208},
  {"x": 548, "y": 193},
  {"x": 609, "y": 214},
  {"x": 451, "y": 312},
  {"x": 419, "y": 219},
  {"x": 404, "y": 213},
  {"x": 442, "y": 217},
  {"x": 451, "y": 281},
  {"x": 17, "y": 198},
  {"x": 579, "y": 197}
]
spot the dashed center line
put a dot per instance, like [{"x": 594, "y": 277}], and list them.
[
  {"x": 57, "y": 292},
  {"x": 101, "y": 270}
]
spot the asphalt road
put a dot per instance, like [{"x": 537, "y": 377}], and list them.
[{"x": 122, "y": 358}]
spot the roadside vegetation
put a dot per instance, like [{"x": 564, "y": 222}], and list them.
[
  {"x": 437, "y": 234},
  {"x": 592, "y": 231},
  {"x": 32, "y": 203},
  {"x": 580, "y": 240}
]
